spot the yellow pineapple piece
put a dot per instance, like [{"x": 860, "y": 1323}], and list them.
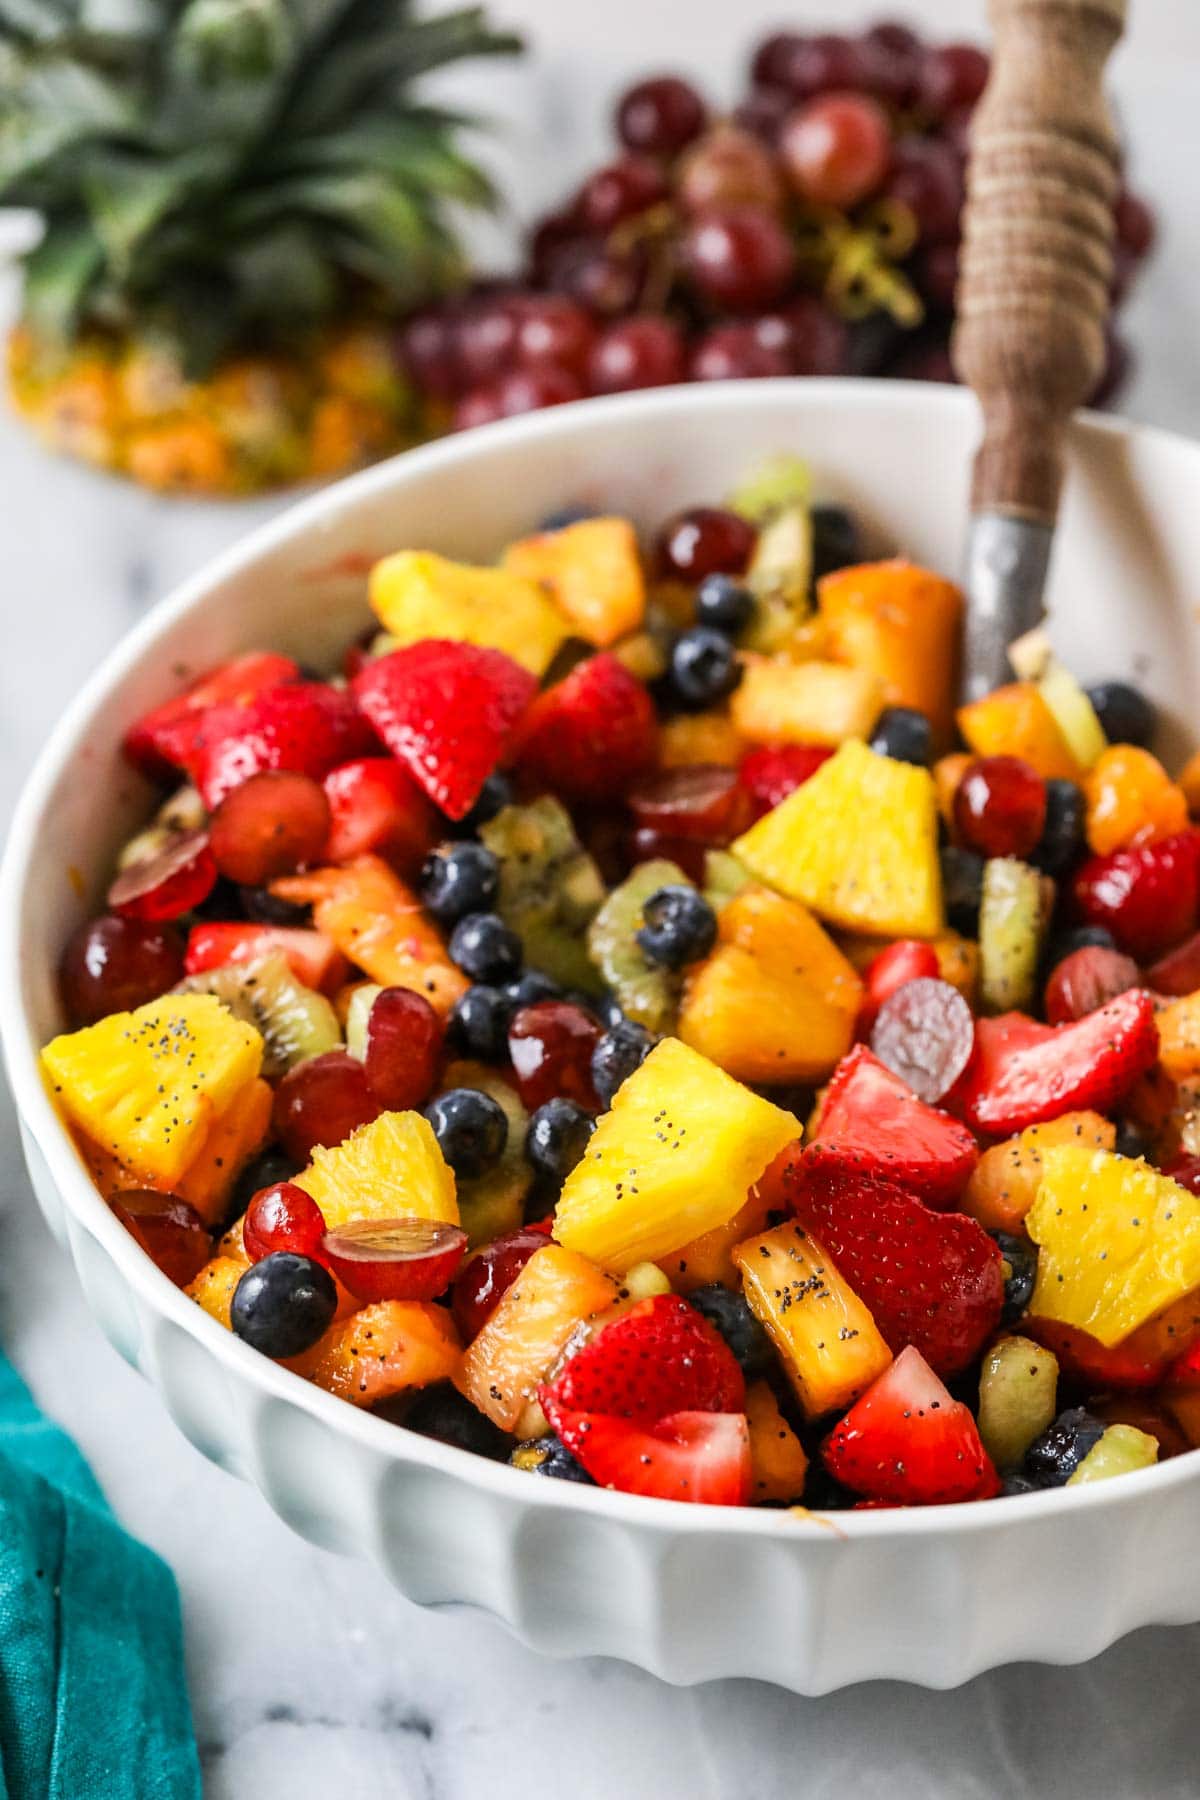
[
  {"x": 555, "y": 1291},
  {"x": 389, "y": 1169},
  {"x": 213, "y": 1287},
  {"x": 1118, "y": 1242},
  {"x": 828, "y": 1343},
  {"x": 703, "y": 737},
  {"x": 1179, "y": 1037},
  {"x": 857, "y": 842},
  {"x": 1005, "y": 1180},
  {"x": 709, "y": 1258},
  {"x": 675, "y": 1157},
  {"x": 776, "y": 1000},
  {"x": 381, "y": 1350},
  {"x": 416, "y": 594},
  {"x": 148, "y": 1086},
  {"x": 787, "y": 702},
  {"x": 239, "y": 1133},
  {"x": 777, "y": 1456},
  {"x": 594, "y": 573}
]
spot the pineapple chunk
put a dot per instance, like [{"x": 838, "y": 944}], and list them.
[
  {"x": 213, "y": 1287},
  {"x": 777, "y": 1456},
  {"x": 674, "y": 1158},
  {"x": 703, "y": 737},
  {"x": 416, "y": 594},
  {"x": 785, "y": 702},
  {"x": 1121, "y": 1450},
  {"x": 776, "y": 1000},
  {"x": 1179, "y": 1037},
  {"x": 1073, "y": 713},
  {"x": 382, "y": 1350},
  {"x": 1016, "y": 721},
  {"x": 902, "y": 624},
  {"x": 1119, "y": 1242},
  {"x": 828, "y": 1343},
  {"x": 1005, "y": 1180},
  {"x": 858, "y": 844},
  {"x": 148, "y": 1086},
  {"x": 593, "y": 571},
  {"x": 709, "y": 1258},
  {"x": 389, "y": 1169},
  {"x": 501, "y": 1368}
]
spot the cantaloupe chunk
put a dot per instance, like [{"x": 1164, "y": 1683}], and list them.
[
  {"x": 776, "y": 1454},
  {"x": 593, "y": 572},
  {"x": 1016, "y": 721},
  {"x": 389, "y": 1169},
  {"x": 1179, "y": 1037},
  {"x": 1005, "y": 1180},
  {"x": 902, "y": 624},
  {"x": 382, "y": 1350},
  {"x": 416, "y": 594},
  {"x": 703, "y": 737},
  {"x": 780, "y": 701}
]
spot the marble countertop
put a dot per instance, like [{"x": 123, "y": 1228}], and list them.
[{"x": 307, "y": 1676}]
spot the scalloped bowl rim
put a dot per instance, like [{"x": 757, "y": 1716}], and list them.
[{"x": 85, "y": 1204}]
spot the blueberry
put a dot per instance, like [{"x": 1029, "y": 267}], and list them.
[
  {"x": 261, "y": 905},
  {"x": 723, "y": 603},
  {"x": 260, "y": 1172},
  {"x": 1065, "y": 943},
  {"x": 732, "y": 1316},
  {"x": 471, "y": 1129},
  {"x": 1125, "y": 714},
  {"x": 623, "y": 1048},
  {"x": 550, "y": 1456},
  {"x": 608, "y": 1010},
  {"x": 1061, "y": 841},
  {"x": 1131, "y": 1141},
  {"x": 283, "y": 1304},
  {"x": 823, "y": 1492},
  {"x": 557, "y": 1138},
  {"x": 1017, "y": 1482},
  {"x": 1021, "y": 1258},
  {"x": 485, "y": 948},
  {"x": 835, "y": 540},
  {"x": 462, "y": 879},
  {"x": 704, "y": 667},
  {"x": 680, "y": 927},
  {"x": 496, "y": 793},
  {"x": 441, "y": 1412},
  {"x": 962, "y": 888},
  {"x": 478, "y": 1023},
  {"x": 529, "y": 988},
  {"x": 905, "y": 735},
  {"x": 1053, "y": 1458},
  {"x": 562, "y": 516}
]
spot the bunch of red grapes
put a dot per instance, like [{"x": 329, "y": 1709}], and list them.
[{"x": 690, "y": 256}]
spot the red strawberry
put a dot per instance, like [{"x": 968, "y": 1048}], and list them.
[
  {"x": 160, "y": 739},
  {"x": 660, "y": 1357},
  {"x": 872, "y": 1122},
  {"x": 929, "y": 1279},
  {"x": 1094, "y": 1366},
  {"x": 307, "y": 728},
  {"x": 772, "y": 772},
  {"x": 908, "y": 1442},
  {"x": 1178, "y": 972},
  {"x": 591, "y": 734},
  {"x": 374, "y": 804},
  {"x": 908, "y": 959},
  {"x": 1023, "y": 1073},
  {"x": 703, "y": 1457},
  {"x": 448, "y": 711},
  {"x": 1146, "y": 897},
  {"x": 311, "y": 957},
  {"x": 1086, "y": 980}
]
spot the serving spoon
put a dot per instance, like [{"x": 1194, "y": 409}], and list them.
[{"x": 1036, "y": 270}]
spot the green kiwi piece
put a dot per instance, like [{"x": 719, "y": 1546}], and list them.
[
  {"x": 724, "y": 876},
  {"x": 1010, "y": 935},
  {"x": 647, "y": 992},
  {"x": 295, "y": 1022},
  {"x": 550, "y": 889}
]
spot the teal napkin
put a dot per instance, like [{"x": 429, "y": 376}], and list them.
[{"x": 93, "y": 1703}]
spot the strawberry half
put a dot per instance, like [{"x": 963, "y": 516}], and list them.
[
  {"x": 772, "y": 772},
  {"x": 307, "y": 728},
  {"x": 162, "y": 738},
  {"x": 660, "y": 1357},
  {"x": 447, "y": 710},
  {"x": 908, "y": 959},
  {"x": 702, "y": 1457},
  {"x": 932, "y": 1280},
  {"x": 1147, "y": 896},
  {"x": 375, "y": 805},
  {"x": 906, "y": 1441},
  {"x": 1023, "y": 1073},
  {"x": 590, "y": 735},
  {"x": 310, "y": 956},
  {"x": 873, "y": 1123}
]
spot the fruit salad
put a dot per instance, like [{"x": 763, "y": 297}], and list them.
[{"x": 629, "y": 1023}]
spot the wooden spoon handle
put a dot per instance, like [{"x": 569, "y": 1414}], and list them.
[{"x": 1037, "y": 243}]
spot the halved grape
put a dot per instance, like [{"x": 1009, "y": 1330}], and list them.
[
  {"x": 924, "y": 1032},
  {"x": 395, "y": 1259},
  {"x": 174, "y": 881}
]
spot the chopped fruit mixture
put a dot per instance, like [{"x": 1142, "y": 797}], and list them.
[{"x": 630, "y": 1004}]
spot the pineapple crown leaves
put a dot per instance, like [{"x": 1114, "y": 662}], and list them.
[{"x": 212, "y": 168}]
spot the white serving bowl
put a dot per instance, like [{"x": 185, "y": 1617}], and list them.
[{"x": 692, "y": 1593}]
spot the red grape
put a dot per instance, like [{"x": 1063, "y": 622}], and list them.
[
  {"x": 618, "y": 191},
  {"x": 820, "y": 341},
  {"x": 550, "y": 1045},
  {"x": 646, "y": 844},
  {"x": 937, "y": 274},
  {"x": 926, "y": 178},
  {"x": 641, "y": 352},
  {"x": 528, "y": 390},
  {"x": 951, "y": 75},
  {"x": 429, "y": 351},
  {"x": 549, "y": 238},
  {"x": 738, "y": 257},
  {"x": 659, "y": 116},
  {"x": 1178, "y": 972},
  {"x": 742, "y": 351},
  {"x": 763, "y": 111},
  {"x": 701, "y": 801},
  {"x": 923, "y": 361},
  {"x": 1146, "y": 895},
  {"x": 171, "y": 1232},
  {"x": 404, "y": 1047},
  {"x": 773, "y": 57},
  {"x": 1135, "y": 224},
  {"x": 925, "y": 1033},
  {"x": 480, "y": 407},
  {"x": 181, "y": 876},
  {"x": 892, "y": 54},
  {"x": 729, "y": 167},
  {"x": 908, "y": 959},
  {"x": 1186, "y": 1171},
  {"x": 550, "y": 329},
  {"x": 272, "y": 825},
  {"x": 485, "y": 340},
  {"x": 395, "y": 1259},
  {"x": 483, "y": 1282},
  {"x": 836, "y": 149},
  {"x": 607, "y": 282},
  {"x": 322, "y": 1101},
  {"x": 1087, "y": 980},
  {"x": 1000, "y": 806},
  {"x": 282, "y": 1217},
  {"x": 817, "y": 65},
  {"x": 113, "y": 964},
  {"x": 705, "y": 540}
]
